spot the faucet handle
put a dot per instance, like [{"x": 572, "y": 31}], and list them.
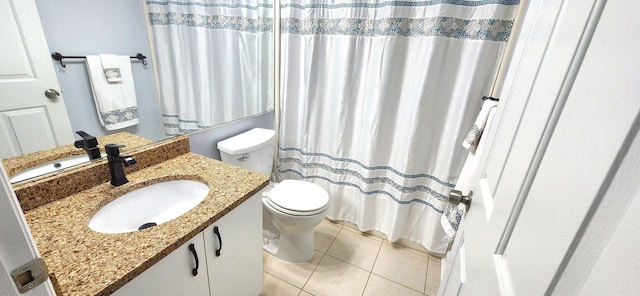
[
  {"x": 87, "y": 141},
  {"x": 113, "y": 149}
]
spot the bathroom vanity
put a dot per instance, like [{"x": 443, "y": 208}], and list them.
[
  {"x": 228, "y": 262},
  {"x": 159, "y": 260}
]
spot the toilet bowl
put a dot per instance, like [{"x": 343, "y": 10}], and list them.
[{"x": 291, "y": 208}]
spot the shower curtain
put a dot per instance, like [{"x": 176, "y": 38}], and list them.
[
  {"x": 377, "y": 98},
  {"x": 214, "y": 61}
]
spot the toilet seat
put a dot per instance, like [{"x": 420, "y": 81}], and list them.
[
  {"x": 298, "y": 198},
  {"x": 294, "y": 213}
]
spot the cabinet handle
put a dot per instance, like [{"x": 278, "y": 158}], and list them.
[
  {"x": 215, "y": 230},
  {"x": 192, "y": 248}
]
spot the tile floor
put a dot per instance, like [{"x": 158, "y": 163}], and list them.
[{"x": 348, "y": 262}]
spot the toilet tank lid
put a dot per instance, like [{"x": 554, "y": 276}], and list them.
[{"x": 248, "y": 141}]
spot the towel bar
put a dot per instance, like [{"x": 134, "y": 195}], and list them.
[
  {"x": 490, "y": 98},
  {"x": 58, "y": 57}
]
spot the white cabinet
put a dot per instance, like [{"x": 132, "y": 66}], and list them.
[
  {"x": 173, "y": 275},
  {"x": 236, "y": 271}
]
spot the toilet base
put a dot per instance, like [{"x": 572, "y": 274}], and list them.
[
  {"x": 271, "y": 245},
  {"x": 289, "y": 237},
  {"x": 292, "y": 248}
]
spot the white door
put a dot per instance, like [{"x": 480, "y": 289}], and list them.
[
  {"x": 569, "y": 114},
  {"x": 16, "y": 243},
  {"x": 29, "y": 120}
]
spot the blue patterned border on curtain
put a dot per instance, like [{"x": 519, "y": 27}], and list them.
[
  {"x": 483, "y": 29},
  {"x": 364, "y": 180}
]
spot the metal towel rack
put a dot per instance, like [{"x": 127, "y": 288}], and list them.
[{"x": 58, "y": 57}]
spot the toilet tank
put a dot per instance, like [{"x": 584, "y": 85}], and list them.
[{"x": 252, "y": 150}]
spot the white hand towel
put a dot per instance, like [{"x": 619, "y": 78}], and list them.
[
  {"x": 116, "y": 103},
  {"x": 473, "y": 137},
  {"x": 111, "y": 67}
]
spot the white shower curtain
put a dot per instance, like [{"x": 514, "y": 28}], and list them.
[
  {"x": 214, "y": 60},
  {"x": 377, "y": 98}
]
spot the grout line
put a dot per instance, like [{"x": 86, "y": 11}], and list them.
[
  {"x": 426, "y": 275},
  {"x": 424, "y": 285},
  {"x": 372, "y": 267},
  {"x": 302, "y": 290},
  {"x": 375, "y": 259},
  {"x": 377, "y": 254},
  {"x": 366, "y": 284},
  {"x": 314, "y": 270},
  {"x": 358, "y": 267},
  {"x": 412, "y": 289},
  {"x": 284, "y": 280},
  {"x": 334, "y": 239},
  {"x": 323, "y": 255},
  {"x": 275, "y": 276}
]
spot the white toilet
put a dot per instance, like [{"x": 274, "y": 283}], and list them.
[{"x": 291, "y": 208}]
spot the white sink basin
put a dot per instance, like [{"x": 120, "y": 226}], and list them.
[
  {"x": 149, "y": 206},
  {"x": 50, "y": 167}
]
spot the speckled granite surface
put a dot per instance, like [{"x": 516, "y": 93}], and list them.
[
  {"x": 36, "y": 192},
  {"x": 85, "y": 262},
  {"x": 17, "y": 164}
]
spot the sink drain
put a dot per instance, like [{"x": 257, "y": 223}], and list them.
[{"x": 147, "y": 225}]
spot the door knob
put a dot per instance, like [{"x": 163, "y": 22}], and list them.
[
  {"x": 456, "y": 198},
  {"x": 51, "y": 94}
]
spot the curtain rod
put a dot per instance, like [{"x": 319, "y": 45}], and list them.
[
  {"x": 58, "y": 57},
  {"x": 490, "y": 98}
]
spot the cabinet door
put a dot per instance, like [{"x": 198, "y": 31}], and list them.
[
  {"x": 173, "y": 275},
  {"x": 238, "y": 268}
]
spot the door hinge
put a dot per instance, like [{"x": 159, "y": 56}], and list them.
[{"x": 30, "y": 275}]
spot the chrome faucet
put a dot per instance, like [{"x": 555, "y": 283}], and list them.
[
  {"x": 89, "y": 143},
  {"x": 116, "y": 161}
]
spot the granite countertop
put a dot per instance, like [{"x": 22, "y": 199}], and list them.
[{"x": 84, "y": 262}]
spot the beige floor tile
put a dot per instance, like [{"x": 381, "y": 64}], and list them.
[
  {"x": 364, "y": 234},
  {"x": 334, "y": 277},
  {"x": 274, "y": 286},
  {"x": 402, "y": 246},
  {"x": 296, "y": 274},
  {"x": 401, "y": 266},
  {"x": 379, "y": 286},
  {"x": 411, "y": 247},
  {"x": 305, "y": 293},
  {"x": 355, "y": 248},
  {"x": 433, "y": 277},
  {"x": 324, "y": 234}
]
